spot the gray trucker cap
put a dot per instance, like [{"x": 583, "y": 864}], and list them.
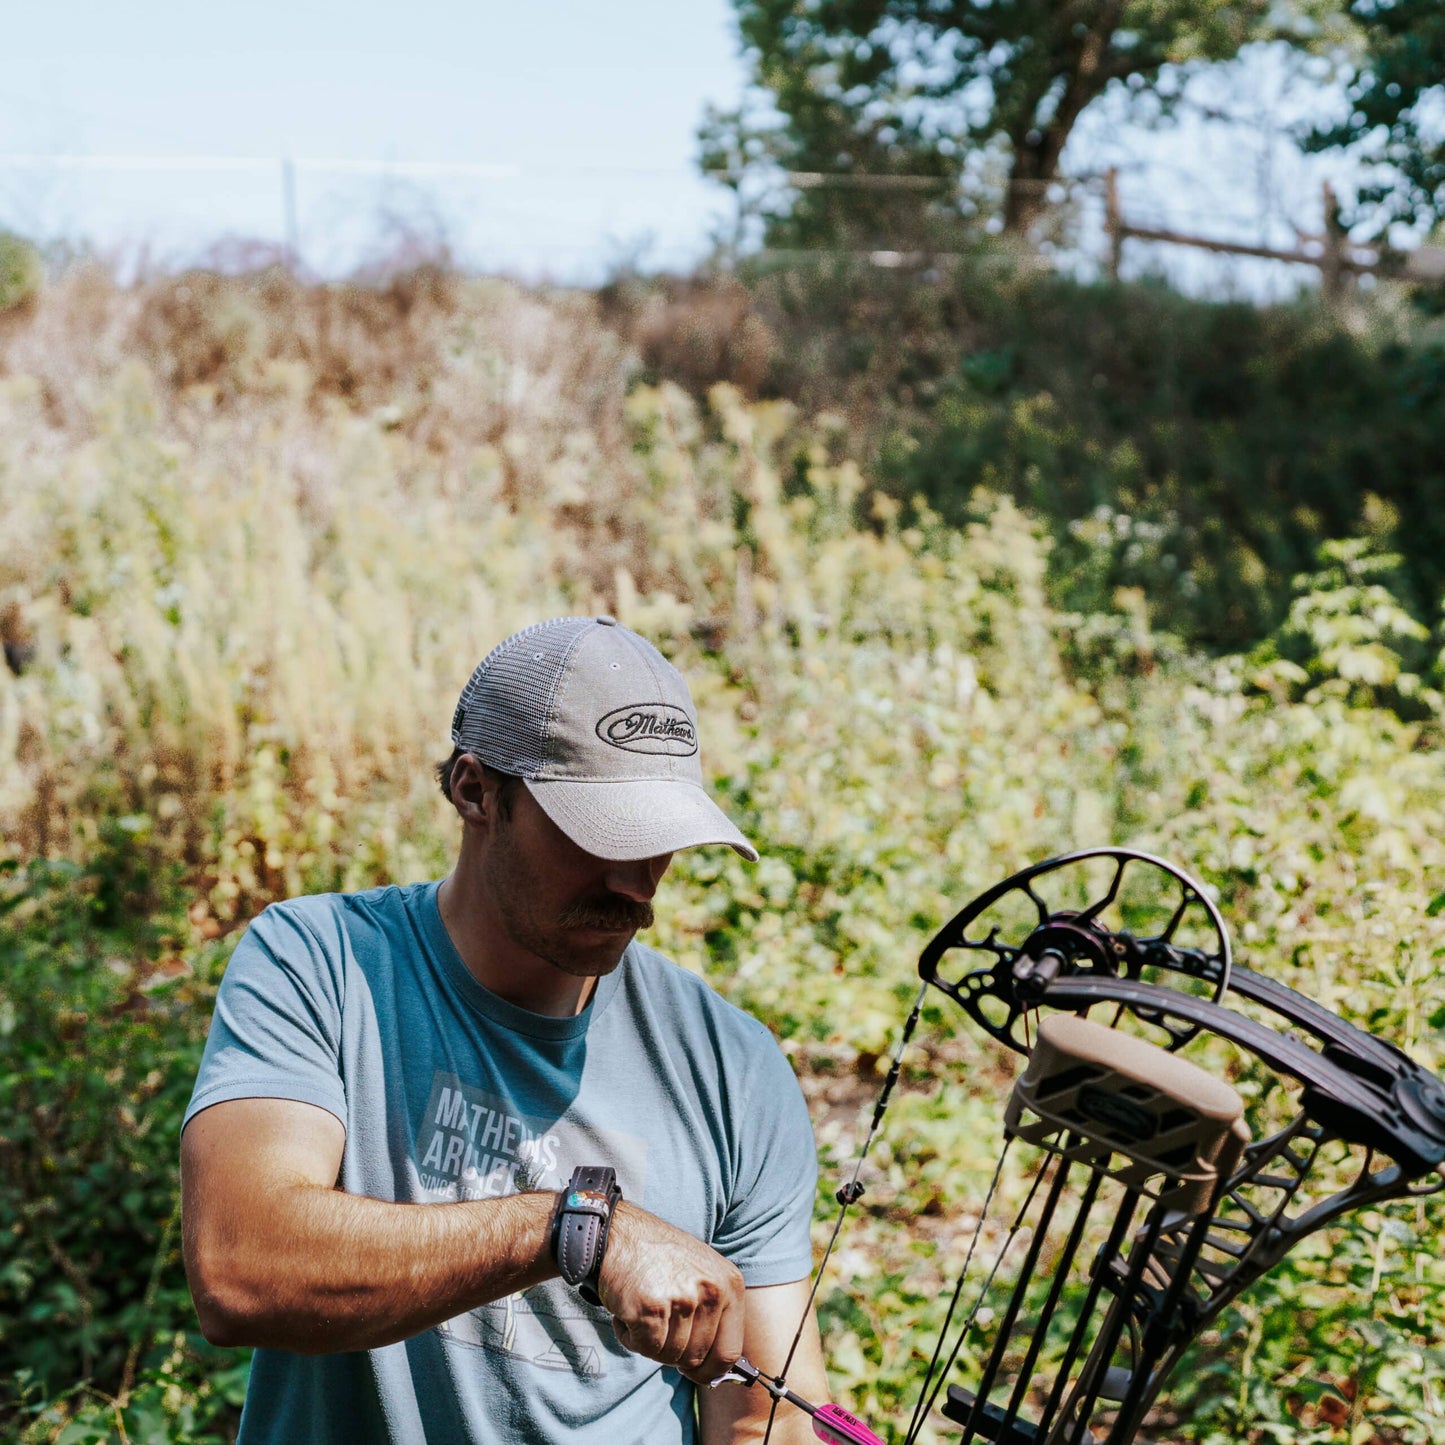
[{"x": 602, "y": 729}]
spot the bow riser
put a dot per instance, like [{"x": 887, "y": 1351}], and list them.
[{"x": 1103, "y": 1106}]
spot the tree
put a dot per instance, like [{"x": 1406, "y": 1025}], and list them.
[
  {"x": 893, "y": 110},
  {"x": 1396, "y": 94}
]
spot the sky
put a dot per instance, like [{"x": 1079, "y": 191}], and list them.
[
  {"x": 579, "y": 120},
  {"x": 547, "y": 141}
]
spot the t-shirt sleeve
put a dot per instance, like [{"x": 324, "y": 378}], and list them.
[
  {"x": 276, "y": 1030},
  {"x": 765, "y": 1231}
]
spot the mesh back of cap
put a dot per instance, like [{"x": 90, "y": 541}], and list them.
[{"x": 504, "y": 709}]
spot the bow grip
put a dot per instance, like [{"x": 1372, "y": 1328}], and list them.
[{"x": 832, "y": 1423}]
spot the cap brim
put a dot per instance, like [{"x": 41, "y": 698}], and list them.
[{"x": 636, "y": 818}]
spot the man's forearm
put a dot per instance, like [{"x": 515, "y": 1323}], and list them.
[
  {"x": 277, "y": 1255},
  {"x": 326, "y": 1271}
]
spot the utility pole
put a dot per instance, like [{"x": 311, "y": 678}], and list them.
[{"x": 288, "y": 205}]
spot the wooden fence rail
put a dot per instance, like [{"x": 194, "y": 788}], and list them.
[{"x": 1339, "y": 261}]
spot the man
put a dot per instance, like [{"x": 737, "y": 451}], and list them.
[{"x": 466, "y": 1046}]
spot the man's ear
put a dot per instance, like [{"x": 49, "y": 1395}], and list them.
[{"x": 475, "y": 795}]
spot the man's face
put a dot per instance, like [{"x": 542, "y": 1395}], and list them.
[{"x": 560, "y": 903}]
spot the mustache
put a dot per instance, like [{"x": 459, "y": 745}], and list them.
[{"x": 608, "y": 913}]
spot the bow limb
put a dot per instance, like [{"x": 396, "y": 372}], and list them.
[{"x": 1396, "y": 1108}]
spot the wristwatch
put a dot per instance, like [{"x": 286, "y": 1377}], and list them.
[{"x": 580, "y": 1227}]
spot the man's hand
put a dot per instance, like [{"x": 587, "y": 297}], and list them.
[
  {"x": 732, "y": 1413},
  {"x": 672, "y": 1298}
]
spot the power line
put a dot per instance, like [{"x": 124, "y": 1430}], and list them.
[{"x": 337, "y": 165}]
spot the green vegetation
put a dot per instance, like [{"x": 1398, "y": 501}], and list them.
[
  {"x": 1200, "y": 452},
  {"x": 908, "y": 126},
  {"x": 21, "y": 271},
  {"x": 1393, "y": 88},
  {"x": 257, "y": 535}
]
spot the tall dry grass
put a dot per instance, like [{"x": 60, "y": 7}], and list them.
[{"x": 258, "y": 533}]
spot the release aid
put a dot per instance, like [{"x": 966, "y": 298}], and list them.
[{"x": 831, "y": 1423}]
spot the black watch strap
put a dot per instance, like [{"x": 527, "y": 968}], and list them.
[{"x": 581, "y": 1225}]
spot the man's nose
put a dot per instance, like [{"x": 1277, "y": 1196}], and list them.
[{"x": 637, "y": 878}]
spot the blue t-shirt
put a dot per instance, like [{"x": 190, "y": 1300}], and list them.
[{"x": 360, "y": 1004}]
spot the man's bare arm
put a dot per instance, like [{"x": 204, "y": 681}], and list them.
[
  {"x": 734, "y": 1414},
  {"x": 277, "y": 1255}
]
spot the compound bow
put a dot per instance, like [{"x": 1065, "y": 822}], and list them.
[{"x": 1127, "y": 1131}]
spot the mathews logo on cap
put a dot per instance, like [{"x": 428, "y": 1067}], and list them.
[{"x": 650, "y": 727}]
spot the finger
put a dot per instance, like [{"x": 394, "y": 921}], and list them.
[
  {"x": 726, "y": 1343},
  {"x": 679, "y": 1333},
  {"x": 701, "y": 1336},
  {"x": 644, "y": 1334}
]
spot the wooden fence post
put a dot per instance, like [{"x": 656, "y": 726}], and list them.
[
  {"x": 1113, "y": 221},
  {"x": 1332, "y": 263}
]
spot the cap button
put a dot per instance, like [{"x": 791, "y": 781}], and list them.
[{"x": 607, "y": 621}]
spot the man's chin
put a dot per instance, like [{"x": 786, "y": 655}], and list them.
[{"x": 591, "y": 953}]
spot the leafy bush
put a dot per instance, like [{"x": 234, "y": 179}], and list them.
[{"x": 100, "y": 1037}]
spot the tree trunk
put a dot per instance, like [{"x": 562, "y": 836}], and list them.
[
  {"x": 1037, "y": 152},
  {"x": 1027, "y": 198}
]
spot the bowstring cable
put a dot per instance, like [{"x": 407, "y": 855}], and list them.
[
  {"x": 958, "y": 1291},
  {"x": 852, "y": 1191},
  {"x": 926, "y": 1397}
]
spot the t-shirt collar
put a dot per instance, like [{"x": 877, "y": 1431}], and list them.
[{"x": 493, "y": 1006}]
